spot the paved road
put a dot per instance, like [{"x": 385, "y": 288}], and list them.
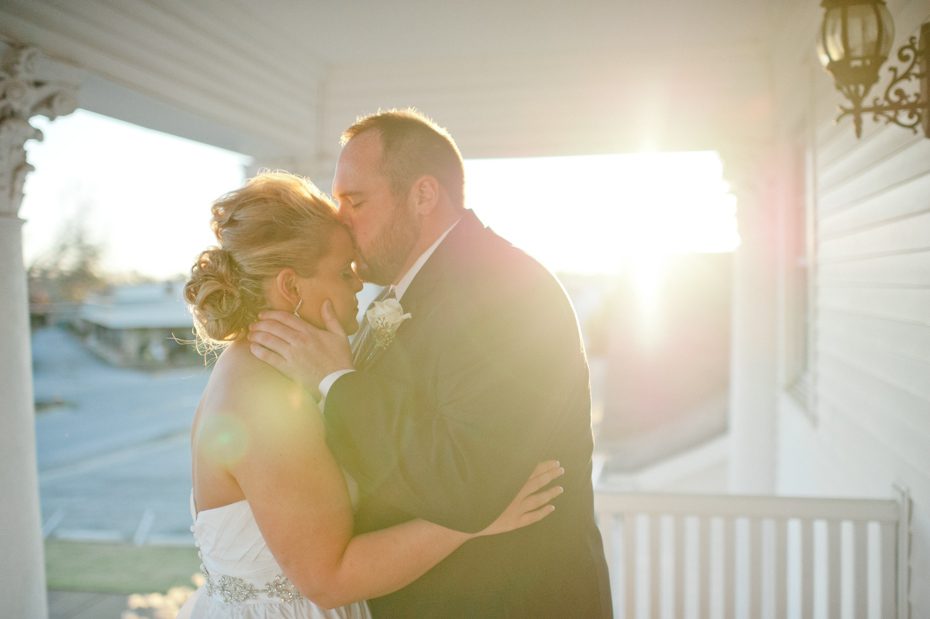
[{"x": 113, "y": 451}]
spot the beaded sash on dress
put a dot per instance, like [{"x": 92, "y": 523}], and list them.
[{"x": 235, "y": 590}]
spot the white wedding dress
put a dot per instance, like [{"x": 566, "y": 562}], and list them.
[{"x": 243, "y": 579}]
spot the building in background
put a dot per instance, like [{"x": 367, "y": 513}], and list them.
[
  {"x": 668, "y": 364},
  {"x": 139, "y": 325}
]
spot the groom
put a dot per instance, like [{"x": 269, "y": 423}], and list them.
[{"x": 485, "y": 379}]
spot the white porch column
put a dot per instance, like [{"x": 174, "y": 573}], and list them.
[
  {"x": 29, "y": 87},
  {"x": 753, "y": 358}
]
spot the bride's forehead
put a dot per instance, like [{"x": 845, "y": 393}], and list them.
[
  {"x": 341, "y": 239},
  {"x": 341, "y": 247}
]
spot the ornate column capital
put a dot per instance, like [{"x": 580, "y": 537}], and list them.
[
  {"x": 749, "y": 166},
  {"x": 30, "y": 85}
]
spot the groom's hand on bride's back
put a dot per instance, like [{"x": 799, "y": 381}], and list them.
[{"x": 299, "y": 350}]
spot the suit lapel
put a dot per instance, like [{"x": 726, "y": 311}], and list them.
[
  {"x": 363, "y": 346},
  {"x": 439, "y": 272}
]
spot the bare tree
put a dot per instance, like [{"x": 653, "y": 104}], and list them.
[{"x": 70, "y": 269}]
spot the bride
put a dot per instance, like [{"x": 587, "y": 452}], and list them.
[{"x": 271, "y": 508}]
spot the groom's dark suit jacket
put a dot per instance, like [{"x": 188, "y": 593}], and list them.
[{"x": 486, "y": 379}]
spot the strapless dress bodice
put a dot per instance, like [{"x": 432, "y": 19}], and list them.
[{"x": 243, "y": 579}]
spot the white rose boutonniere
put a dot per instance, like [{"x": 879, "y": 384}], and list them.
[{"x": 385, "y": 318}]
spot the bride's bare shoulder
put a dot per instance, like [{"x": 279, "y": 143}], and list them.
[
  {"x": 237, "y": 360},
  {"x": 243, "y": 383}
]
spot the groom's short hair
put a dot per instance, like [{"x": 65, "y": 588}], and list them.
[{"x": 412, "y": 145}]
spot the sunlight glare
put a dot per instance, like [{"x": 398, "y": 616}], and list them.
[{"x": 607, "y": 213}]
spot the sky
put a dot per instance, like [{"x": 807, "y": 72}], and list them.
[{"x": 145, "y": 197}]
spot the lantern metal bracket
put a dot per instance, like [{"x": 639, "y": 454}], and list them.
[{"x": 897, "y": 106}]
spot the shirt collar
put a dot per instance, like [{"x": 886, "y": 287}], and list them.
[{"x": 404, "y": 282}]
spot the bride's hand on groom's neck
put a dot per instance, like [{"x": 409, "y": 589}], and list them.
[{"x": 304, "y": 353}]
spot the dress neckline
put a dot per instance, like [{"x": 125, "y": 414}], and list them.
[{"x": 197, "y": 512}]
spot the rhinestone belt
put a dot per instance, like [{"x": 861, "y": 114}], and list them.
[{"x": 235, "y": 590}]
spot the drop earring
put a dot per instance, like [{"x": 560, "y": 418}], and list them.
[{"x": 297, "y": 309}]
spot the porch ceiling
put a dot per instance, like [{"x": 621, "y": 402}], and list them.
[
  {"x": 278, "y": 78},
  {"x": 408, "y": 30}
]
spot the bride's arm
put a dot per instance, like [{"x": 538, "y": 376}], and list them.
[
  {"x": 380, "y": 562},
  {"x": 299, "y": 498}
]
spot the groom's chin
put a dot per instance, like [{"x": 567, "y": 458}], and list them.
[
  {"x": 369, "y": 275},
  {"x": 377, "y": 279},
  {"x": 379, "y": 272}
]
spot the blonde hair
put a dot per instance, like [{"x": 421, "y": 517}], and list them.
[{"x": 275, "y": 221}]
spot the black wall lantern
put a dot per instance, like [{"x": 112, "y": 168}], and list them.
[{"x": 855, "y": 38}]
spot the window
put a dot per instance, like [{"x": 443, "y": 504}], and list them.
[{"x": 799, "y": 277}]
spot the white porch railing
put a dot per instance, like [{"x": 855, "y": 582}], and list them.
[{"x": 682, "y": 556}]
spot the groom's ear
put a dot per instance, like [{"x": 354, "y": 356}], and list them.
[{"x": 424, "y": 193}]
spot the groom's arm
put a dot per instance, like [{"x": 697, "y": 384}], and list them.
[{"x": 508, "y": 374}]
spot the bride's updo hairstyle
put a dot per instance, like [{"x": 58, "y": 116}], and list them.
[{"x": 277, "y": 220}]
